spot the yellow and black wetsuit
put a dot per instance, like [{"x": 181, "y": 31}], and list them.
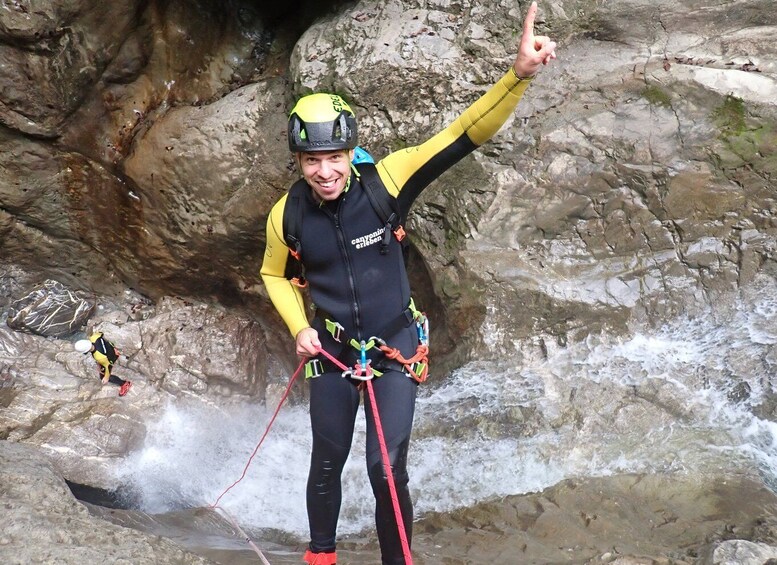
[
  {"x": 364, "y": 290},
  {"x": 334, "y": 239},
  {"x": 105, "y": 355}
]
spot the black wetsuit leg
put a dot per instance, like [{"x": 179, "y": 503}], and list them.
[
  {"x": 395, "y": 395},
  {"x": 113, "y": 379},
  {"x": 334, "y": 403},
  {"x": 116, "y": 380}
]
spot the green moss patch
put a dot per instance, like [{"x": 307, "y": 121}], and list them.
[
  {"x": 731, "y": 116},
  {"x": 656, "y": 97}
]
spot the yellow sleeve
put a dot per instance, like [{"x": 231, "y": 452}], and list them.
[
  {"x": 285, "y": 296},
  {"x": 471, "y": 129}
]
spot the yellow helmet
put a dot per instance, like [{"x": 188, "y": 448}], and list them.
[{"x": 322, "y": 122}]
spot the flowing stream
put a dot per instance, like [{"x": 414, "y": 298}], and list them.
[{"x": 687, "y": 396}]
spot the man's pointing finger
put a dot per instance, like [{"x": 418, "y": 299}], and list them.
[{"x": 528, "y": 23}]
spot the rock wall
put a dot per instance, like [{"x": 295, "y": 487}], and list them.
[
  {"x": 143, "y": 144},
  {"x": 44, "y": 523}
]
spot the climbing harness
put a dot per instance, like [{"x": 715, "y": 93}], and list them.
[
  {"x": 386, "y": 460},
  {"x": 415, "y": 367}
]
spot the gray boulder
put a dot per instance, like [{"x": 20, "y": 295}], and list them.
[
  {"x": 742, "y": 552},
  {"x": 50, "y": 309}
]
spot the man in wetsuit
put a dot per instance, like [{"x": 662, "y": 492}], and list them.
[{"x": 360, "y": 288}]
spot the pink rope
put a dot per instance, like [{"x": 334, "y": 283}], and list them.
[
  {"x": 267, "y": 431},
  {"x": 216, "y": 506},
  {"x": 249, "y": 541},
  {"x": 383, "y": 452},
  {"x": 386, "y": 462}
]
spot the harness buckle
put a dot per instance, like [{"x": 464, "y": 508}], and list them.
[
  {"x": 336, "y": 329},
  {"x": 314, "y": 368},
  {"x": 296, "y": 251},
  {"x": 417, "y": 371},
  {"x": 379, "y": 340}
]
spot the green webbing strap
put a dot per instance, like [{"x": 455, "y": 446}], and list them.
[
  {"x": 337, "y": 331},
  {"x": 416, "y": 312},
  {"x": 334, "y": 328},
  {"x": 313, "y": 368}
]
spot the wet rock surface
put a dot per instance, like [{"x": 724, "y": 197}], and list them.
[
  {"x": 42, "y": 522},
  {"x": 174, "y": 349},
  {"x": 629, "y": 519}
]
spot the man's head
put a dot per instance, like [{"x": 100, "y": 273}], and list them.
[
  {"x": 83, "y": 346},
  {"x": 322, "y": 135}
]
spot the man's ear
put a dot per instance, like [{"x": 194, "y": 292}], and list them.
[{"x": 350, "y": 155}]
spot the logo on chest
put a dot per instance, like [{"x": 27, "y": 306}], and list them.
[{"x": 369, "y": 239}]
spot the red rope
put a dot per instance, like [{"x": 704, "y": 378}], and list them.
[
  {"x": 249, "y": 541},
  {"x": 275, "y": 415},
  {"x": 216, "y": 506},
  {"x": 383, "y": 452},
  {"x": 386, "y": 462}
]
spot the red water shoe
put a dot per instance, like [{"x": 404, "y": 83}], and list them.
[{"x": 320, "y": 558}]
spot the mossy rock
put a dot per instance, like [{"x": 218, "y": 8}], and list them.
[
  {"x": 656, "y": 96},
  {"x": 748, "y": 141},
  {"x": 731, "y": 116}
]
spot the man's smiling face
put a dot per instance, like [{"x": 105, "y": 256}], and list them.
[{"x": 326, "y": 172}]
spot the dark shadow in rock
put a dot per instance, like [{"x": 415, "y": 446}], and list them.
[{"x": 120, "y": 499}]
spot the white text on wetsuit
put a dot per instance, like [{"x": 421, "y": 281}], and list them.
[{"x": 369, "y": 239}]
